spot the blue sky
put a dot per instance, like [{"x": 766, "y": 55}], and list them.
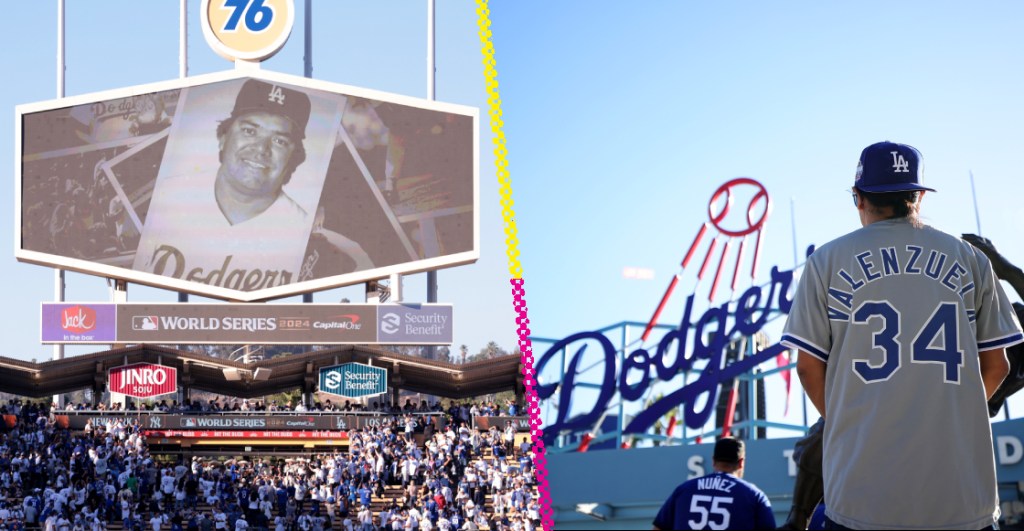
[
  {"x": 623, "y": 119},
  {"x": 378, "y": 45}
]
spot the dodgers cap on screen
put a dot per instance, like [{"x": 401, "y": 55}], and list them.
[
  {"x": 890, "y": 167},
  {"x": 728, "y": 450},
  {"x": 259, "y": 96}
]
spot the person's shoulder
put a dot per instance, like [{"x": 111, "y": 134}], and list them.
[
  {"x": 752, "y": 489},
  {"x": 965, "y": 249},
  {"x": 888, "y": 233},
  {"x": 687, "y": 486},
  {"x": 842, "y": 244},
  {"x": 284, "y": 202},
  {"x": 944, "y": 241}
]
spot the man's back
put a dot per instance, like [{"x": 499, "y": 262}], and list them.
[
  {"x": 716, "y": 501},
  {"x": 909, "y": 309}
]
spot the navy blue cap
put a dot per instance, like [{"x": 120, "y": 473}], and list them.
[
  {"x": 890, "y": 167},
  {"x": 259, "y": 96}
]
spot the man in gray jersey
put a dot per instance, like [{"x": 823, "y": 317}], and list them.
[{"x": 885, "y": 316}]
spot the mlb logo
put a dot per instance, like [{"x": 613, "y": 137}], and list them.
[
  {"x": 145, "y": 322},
  {"x": 188, "y": 423}
]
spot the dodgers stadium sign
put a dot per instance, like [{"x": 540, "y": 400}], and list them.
[
  {"x": 704, "y": 337},
  {"x": 354, "y": 380},
  {"x": 707, "y": 338}
]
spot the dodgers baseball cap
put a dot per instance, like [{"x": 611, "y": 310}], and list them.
[
  {"x": 890, "y": 167},
  {"x": 259, "y": 96},
  {"x": 729, "y": 450}
]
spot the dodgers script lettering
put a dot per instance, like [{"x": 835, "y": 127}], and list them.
[
  {"x": 169, "y": 261},
  {"x": 708, "y": 340}
]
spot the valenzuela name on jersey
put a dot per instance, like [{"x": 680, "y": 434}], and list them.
[{"x": 888, "y": 261}]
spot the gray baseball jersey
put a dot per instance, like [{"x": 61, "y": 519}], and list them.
[{"x": 899, "y": 315}]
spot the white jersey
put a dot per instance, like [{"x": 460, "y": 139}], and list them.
[
  {"x": 899, "y": 315},
  {"x": 186, "y": 236}
]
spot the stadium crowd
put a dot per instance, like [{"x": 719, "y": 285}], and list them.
[{"x": 104, "y": 477}]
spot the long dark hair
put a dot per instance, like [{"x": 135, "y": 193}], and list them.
[{"x": 902, "y": 204}]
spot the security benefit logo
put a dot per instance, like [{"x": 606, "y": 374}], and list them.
[
  {"x": 353, "y": 380},
  {"x": 391, "y": 323},
  {"x": 411, "y": 324}
]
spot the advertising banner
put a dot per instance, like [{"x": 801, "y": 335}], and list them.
[
  {"x": 269, "y": 421},
  {"x": 272, "y": 324},
  {"x": 143, "y": 380},
  {"x": 422, "y": 324},
  {"x": 246, "y": 188},
  {"x": 222, "y": 434},
  {"x": 354, "y": 380},
  {"x": 486, "y": 423},
  {"x": 79, "y": 322}
]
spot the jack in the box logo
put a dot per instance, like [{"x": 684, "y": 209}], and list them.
[{"x": 78, "y": 319}]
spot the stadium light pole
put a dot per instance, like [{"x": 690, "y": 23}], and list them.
[
  {"x": 58, "y": 274},
  {"x": 307, "y": 71},
  {"x": 183, "y": 40},
  {"x": 431, "y": 275},
  {"x": 183, "y": 69}
]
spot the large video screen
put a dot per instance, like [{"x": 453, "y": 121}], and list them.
[{"x": 247, "y": 188}]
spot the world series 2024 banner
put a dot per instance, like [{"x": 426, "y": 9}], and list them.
[
  {"x": 247, "y": 188},
  {"x": 288, "y": 324},
  {"x": 333, "y": 421}
]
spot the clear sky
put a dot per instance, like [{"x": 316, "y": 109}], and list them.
[
  {"x": 378, "y": 45},
  {"x": 623, "y": 118}
]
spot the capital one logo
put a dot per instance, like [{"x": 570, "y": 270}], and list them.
[
  {"x": 78, "y": 319},
  {"x": 390, "y": 323},
  {"x": 899, "y": 164}
]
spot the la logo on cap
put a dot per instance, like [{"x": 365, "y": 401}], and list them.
[
  {"x": 276, "y": 95},
  {"x": 899, "y": 164}
]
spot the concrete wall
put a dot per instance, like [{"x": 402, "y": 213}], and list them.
[{"x": 629, "y": 486}]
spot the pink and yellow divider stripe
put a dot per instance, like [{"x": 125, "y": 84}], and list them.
[{"x": 515, "y": 268}]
